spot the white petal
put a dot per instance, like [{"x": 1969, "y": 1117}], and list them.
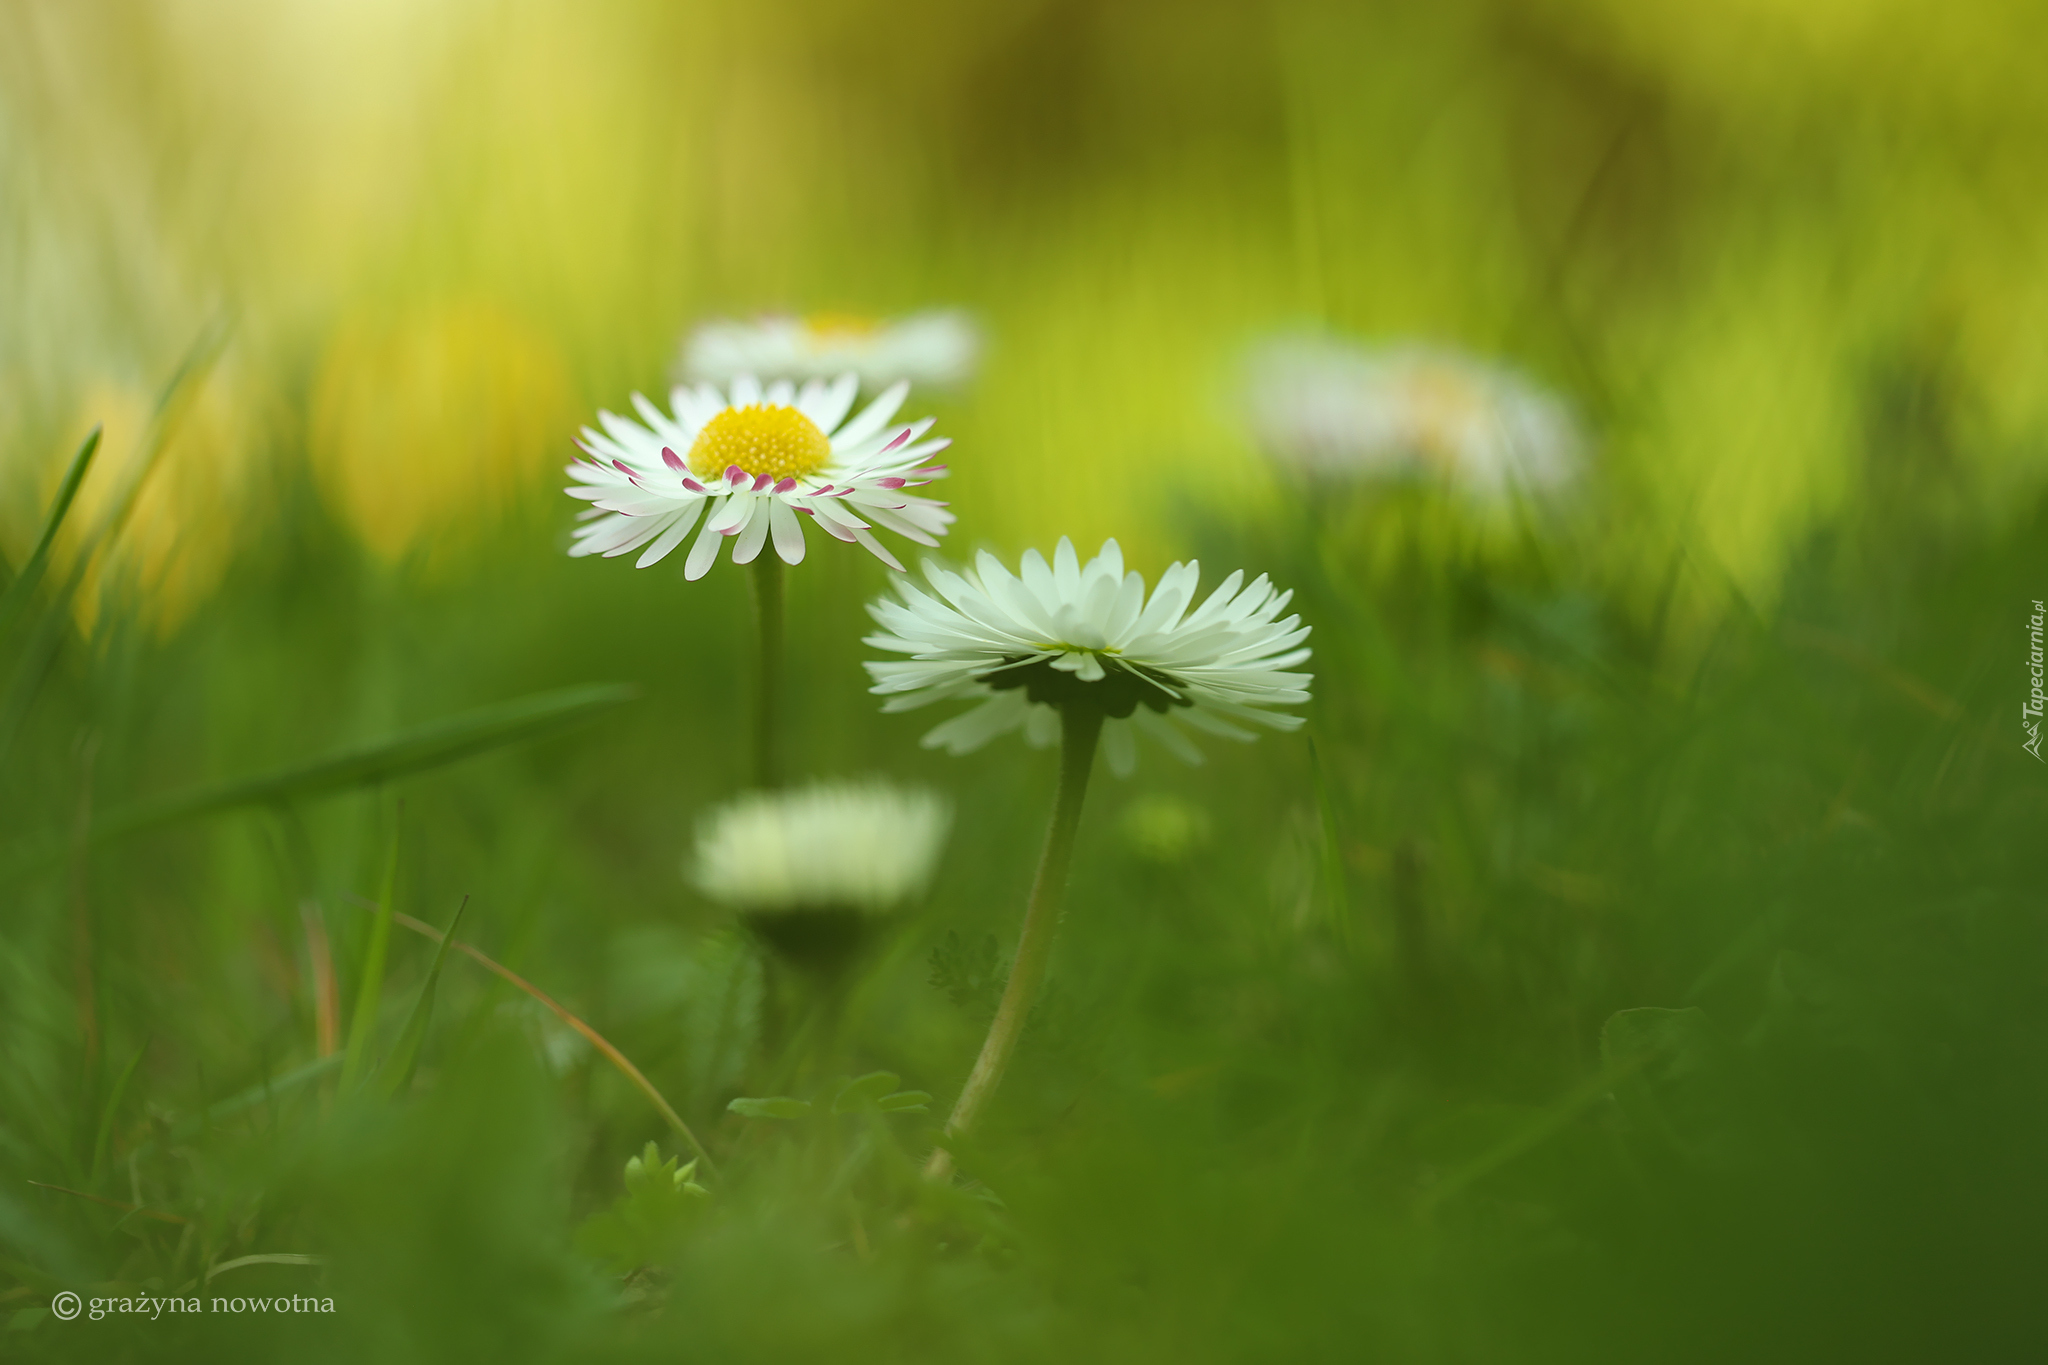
[
  {"x": 704, "y": 553},
  {"x": 788, "y": 531},
  {"x": 747, "y": 542},
  {"x": 1066, "y": 571},
  {"x": 968, "y": 732},
  {"x": 872, "y": 416},
  {"x": 826, "y": 404},
  {"x": 672, "y": 537}
]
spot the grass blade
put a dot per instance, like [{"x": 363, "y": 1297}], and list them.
[
  {"x": 255, "y": 1095},
  {"x": 590, "y": 1035},
  {"x": 1333, "y": 852},
  {"x": 25, "y": 582},
  {"x": 370, "y": 990},
  {"x": 33, "y": 668},
  {"x": 100, "y": 1143},
  {"x": 430, "y": 746},
  {"x": 135, "y": 1209},
  {"x": 405, "y": 1057}
]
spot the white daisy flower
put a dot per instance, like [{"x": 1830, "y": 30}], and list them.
[
  {"x": 1062, "y": 634},
  {"x": 1333, "y": 409},
  {"x": 759, "y": 459},
  {"x": 925, "y": 348},
  {"x": 830, "y": 846}
]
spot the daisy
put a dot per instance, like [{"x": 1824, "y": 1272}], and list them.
[
  {"x": 1333, "y": 409},
  {"x": 811, "y": 870},
  {"x": 757, "y": 458},
  {"x": 863, "y": 846},
  {"x": 1063, "y": 635},
  {"x": 925, "y": 348}
]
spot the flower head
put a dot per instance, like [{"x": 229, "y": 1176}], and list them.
[
  {"x": 1333, "y": 409},
  {"x": 925, "y": 348},
  {"x": 1063, "y": 634},
  {"x": 759, "y": 459},
  {"x": 831, "y": 846}
]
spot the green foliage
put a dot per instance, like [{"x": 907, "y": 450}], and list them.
[
  {"x": 660, "y": 1202},
  {"x": 397, "y": 1071},
  {"x": 22, "y": 589},
  {"x": 1638, "y": 957},
  {"x": 775, "y": 1107},
  {"x": 971, "y": 974}
]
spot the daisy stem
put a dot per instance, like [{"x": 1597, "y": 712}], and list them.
[
  {"x": 1080, "y": 728},
  {"x": 768, "y": 680}
]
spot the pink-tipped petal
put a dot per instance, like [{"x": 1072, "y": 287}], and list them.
[
  {"x": 672, "y": 460},
  {"x": 785, "y": 486},
  {"x": 623, "y": 468},
  {"x": 901, "y": 437},
  {"x": 890, "y": 483},
  {"x": 693, "y": 485},
  {"x": 762, "y": 482},
  {"x": 736, "y": 476}
]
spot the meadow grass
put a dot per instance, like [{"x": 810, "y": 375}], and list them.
[
  {"x": 1637, "y": 957},
  {"x": 1590, "y": 987}
]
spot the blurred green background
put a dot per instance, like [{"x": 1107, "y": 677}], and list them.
[{"x": 1332, "y": 1067}]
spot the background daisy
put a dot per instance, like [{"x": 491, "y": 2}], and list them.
[
  {"x": 924, "y": 348},
  {"x": 1334, "y": 409},
  {"x": 811, "y": 870},
  {"x": 861, "y": 846}
]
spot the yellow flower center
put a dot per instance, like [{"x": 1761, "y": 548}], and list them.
[
  {"x": 1444, "y": 406},
  {"x": 841, "y": 326},
  {"x": 761, "y": 438}
]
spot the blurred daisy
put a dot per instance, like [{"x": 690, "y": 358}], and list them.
[
  {"x": 808, "y": 869},
  {"x": 1064, "y": 634},
  {"x": 758, "y": 459},
  {"x": 925, "y": 348},
  {"x": 1334, "y": 409}
]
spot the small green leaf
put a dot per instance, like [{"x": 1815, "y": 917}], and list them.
[
  {"x": 864, "y": 1091},
  {"x": 639, "y": 1229},
  {"x": 778, "y": 1107},
  {"x": 905, "y": 1102}
]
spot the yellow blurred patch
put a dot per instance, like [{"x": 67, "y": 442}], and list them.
[
  {"x": 426, "y": 429},
  {"x": 160, "y": 546}
]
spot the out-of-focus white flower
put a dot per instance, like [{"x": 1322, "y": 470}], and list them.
[
  {"x": 925, "y": 348},
  {"x": 758, "y": 457},
  {"x": 1335, "y": 409},
  {"x": 830, "y": 846},
  {"x": 1065, "y": 635}
]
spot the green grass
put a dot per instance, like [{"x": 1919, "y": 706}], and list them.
[
  {"x": 1328, "y": 1081},
  {"x": 1639, "y": 956}
]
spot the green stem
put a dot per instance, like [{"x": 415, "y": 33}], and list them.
[
  {"x": 767, "y": 582},
  {"x": 1080, "y": 728}
]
